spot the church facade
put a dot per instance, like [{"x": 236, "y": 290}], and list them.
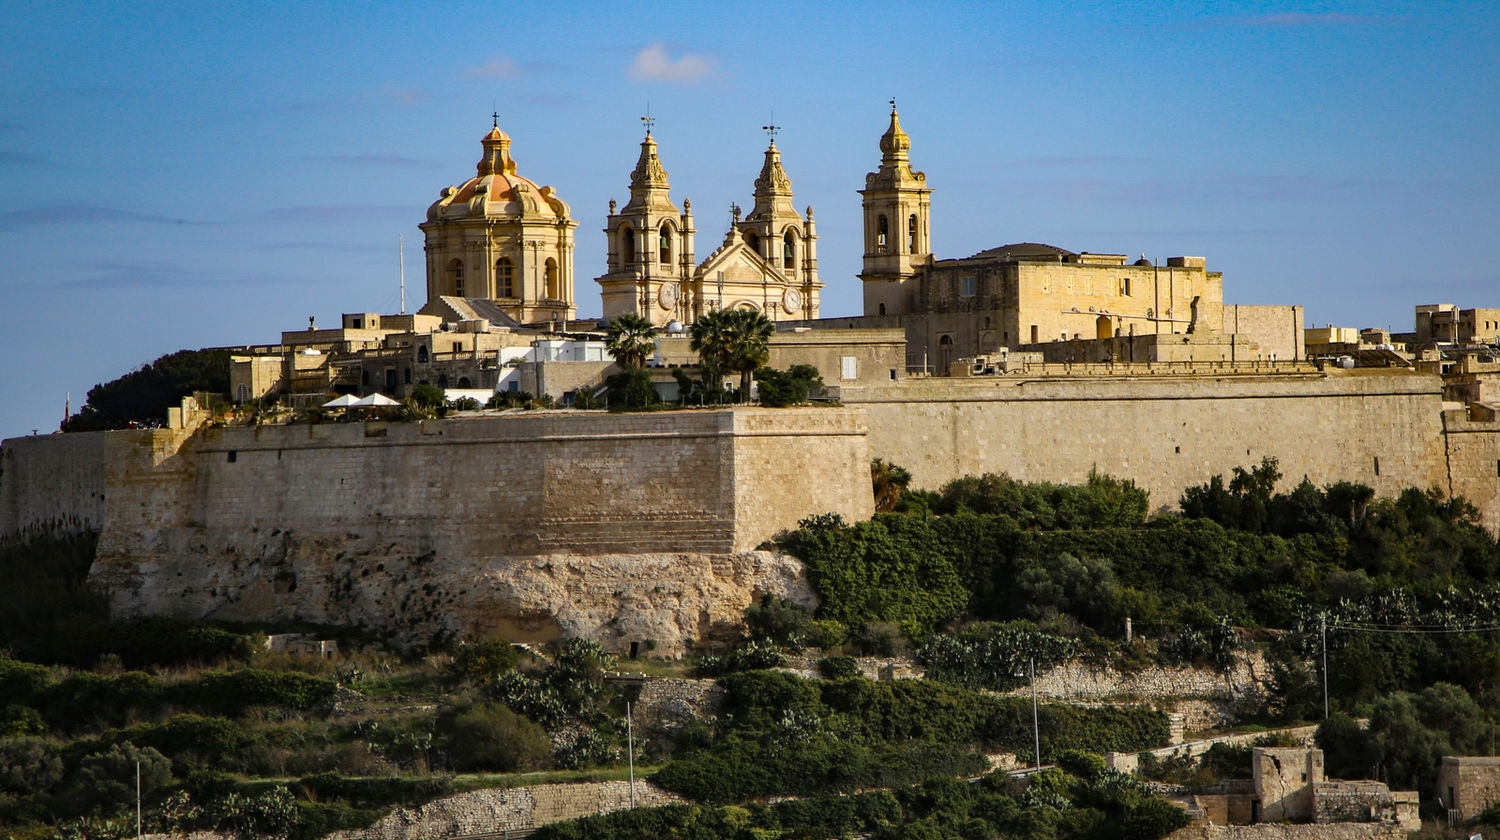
[{"x": 768, "y": 261}]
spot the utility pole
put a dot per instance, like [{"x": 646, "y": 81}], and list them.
[
  {"x": 1036, "y": 729},
  {"x": 630, "y": 751},
  {"x": 1323, "y": 626},
  {"x": 138, "y": 800}
]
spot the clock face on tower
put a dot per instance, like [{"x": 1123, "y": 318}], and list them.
[
  {"x": 791, "y": 301},
  {"x": 666, "y": 297}
]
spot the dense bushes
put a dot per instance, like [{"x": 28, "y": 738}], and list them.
[
  {"x": 491, "y": 738},
  {"x": 1055, "y": 805},
  {"x": 775, "y": 706},
  {"x": 739, "y": 770}
]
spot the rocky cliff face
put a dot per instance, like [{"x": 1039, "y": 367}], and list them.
[{"x": 660, "y": 603}]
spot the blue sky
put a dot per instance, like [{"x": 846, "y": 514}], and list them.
[{"x": 200, "y": 174}]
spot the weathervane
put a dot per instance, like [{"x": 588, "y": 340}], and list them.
[
  {"x": 893, "y": 104},
  {"x": 772, "y": 128},
  {"x": 648, "y": 119},
  {"x": 495, "y": 113}
]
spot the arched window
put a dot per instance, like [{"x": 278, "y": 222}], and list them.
[
  {"x": 945, "y": 354},
  {"x": 443, "y": 381},
  {"x": 553, "y": 292},
  {"x": 789, "y": 251},
  {"x": 664, "y": 242},
  {"x": 242, "y": 393},
  {"x": 504, "y": 278},
  {"x": 463, "y": 382},
  {"x": 456, "y": 277},
  {"x": 882, "y": 309},
  {"x": 626, "y": 236},
  {"x": 882, "y": 232},
  {"x": 422, "y": 355},
  {"x": 911, "y": 234}
]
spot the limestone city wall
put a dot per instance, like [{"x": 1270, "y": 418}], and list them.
[
  {"x": 52, "y": 483},
  {"x": 630, "y": 529},
  {"x": 1167, "y": 433},
  {"x": 1473, "y": 454}
]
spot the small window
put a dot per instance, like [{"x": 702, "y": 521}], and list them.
[
  {"x": 422, "y": 356},
  {"x": 893, "y": 374},
  {"x": 848, "y": 368},
  {"x": 407, "y": 377},
  {"x": 233, "y": 456},
  {"x": 1377, "y": 465},
  {"x": 882, "y": 230},
  {"x": 504, "y": 274},
  {"x": 664, "y": 251},
  {"x": 966, "y": 286},
  {"x": 882, "y": 309},
  {"x": 911, "y": 234},
  {"x": 1125, "y": 286}
]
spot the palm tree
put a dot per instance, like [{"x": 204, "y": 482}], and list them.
[
  {"x": 733, "y": 339},
  {"x": 631, "y": 338},
  {"x": 889, "y": 481}
]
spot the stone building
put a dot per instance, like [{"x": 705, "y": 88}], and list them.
[
  {"x": 1032, "y": 296},
  {"x": 501, "y": 237},
  {"x": 768, "y": 261},
  {"x": 1468, "y": 784}
]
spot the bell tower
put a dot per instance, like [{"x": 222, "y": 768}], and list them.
[
  {"x": 782, "y": 237},
  {"x": 650, "y": 246},
  {"x": 897, "y": 205}
]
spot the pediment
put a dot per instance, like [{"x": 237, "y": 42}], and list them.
[{"x": 740, "y": 265}]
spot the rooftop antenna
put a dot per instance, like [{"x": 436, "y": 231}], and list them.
[
  {"x": 401, "y": 250},
  {"x": 648, "y": 119}
]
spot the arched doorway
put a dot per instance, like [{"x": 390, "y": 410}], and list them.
[
  {"x": 1103, "y": 328},
  {"x": 945, "y": 354}
]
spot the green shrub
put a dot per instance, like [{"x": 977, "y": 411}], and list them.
[
  {"x": 631, "y": 389},
  {"x": 378, "y": 791},
  {"x": 22, "y": 682},
  {"x": 778, "y": 621},
  {"x": 29, "y": 766},
  {"x": 838, "y": 667},
  {"x": 231, "y": 692},
  {"x": 109, "y": 777},
  {"x": 490, "y": 737},
  {"x": 482, "y": 661},
  {"x": 191, "y": 740},
  {"x": 318, "y": 819},
  {"x": 790, "y": 387}
]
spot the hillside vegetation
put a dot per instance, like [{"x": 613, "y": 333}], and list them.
[{"x": 978, "y": 581}]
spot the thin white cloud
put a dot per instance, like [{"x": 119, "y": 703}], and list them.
[
  {"x": 653, "y": 64},
  {"x": 408, "y": 96},
  {"x": 497, "y": 67}
]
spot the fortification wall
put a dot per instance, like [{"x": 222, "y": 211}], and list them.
[
  {"x": 554, "y": 483},
  {"x": 625, "y": 528},
  {"x": 1473, "y": 450},
  {"x": 1382, "y": 428},
  {"x": 52, "y": 483}
]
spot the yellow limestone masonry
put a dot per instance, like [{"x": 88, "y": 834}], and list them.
[{"x": 640, "y": 528}]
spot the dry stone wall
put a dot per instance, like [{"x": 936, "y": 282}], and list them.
[
  {"x": 1278, "y": 831},
  {"x": 508, "y": 809}
]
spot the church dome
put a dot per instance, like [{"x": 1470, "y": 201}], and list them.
[{"x": 497, "y": 191}]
